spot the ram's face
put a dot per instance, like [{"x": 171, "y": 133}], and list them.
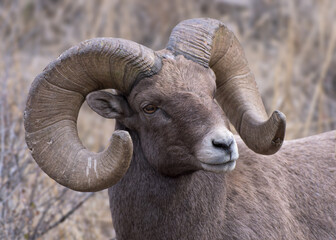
[
  {"x": 178, "y": 121},
  {"x": 180, "y": 125}
]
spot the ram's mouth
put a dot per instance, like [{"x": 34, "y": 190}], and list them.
[{"x": 219, "y": 167}]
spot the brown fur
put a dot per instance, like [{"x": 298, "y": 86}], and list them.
[
  {"x": 166, "y": 195},
  {"x": 290, "y": 195}
]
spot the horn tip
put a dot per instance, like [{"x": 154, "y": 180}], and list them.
[
  {"x": 122, "y": 135},
  {"x": 122, "y": 140},
  {"x": 279, "y": 121}
]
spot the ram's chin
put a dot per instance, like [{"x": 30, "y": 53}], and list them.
[{"x": 218, "y": 168}]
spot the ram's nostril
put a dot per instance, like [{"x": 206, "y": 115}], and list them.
[{"x": 224, "y": 144}]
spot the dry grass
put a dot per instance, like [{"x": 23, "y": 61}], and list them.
[{"x": 290, "y": 46}]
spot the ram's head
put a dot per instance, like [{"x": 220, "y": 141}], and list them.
[{"x": 177, "y": 101}]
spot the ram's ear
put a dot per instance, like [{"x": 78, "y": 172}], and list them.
[{"x": 109, "y": 105}]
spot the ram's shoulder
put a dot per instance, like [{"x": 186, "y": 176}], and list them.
[{"x": 320, "y": 146}]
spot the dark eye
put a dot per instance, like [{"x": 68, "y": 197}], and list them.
[{"x": 150, "y": 108}]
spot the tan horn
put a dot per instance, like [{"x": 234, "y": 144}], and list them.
[
  {"x": 210, "y": 43},
  {"x": 56, "y": 96}
]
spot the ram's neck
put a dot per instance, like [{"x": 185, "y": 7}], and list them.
[{"x": 147, "y": 205}]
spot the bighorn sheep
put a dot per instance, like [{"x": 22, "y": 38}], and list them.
[{"x": 168, "y": 166}]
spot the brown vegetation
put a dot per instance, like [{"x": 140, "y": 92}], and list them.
[{"x": 290, "y": 46}]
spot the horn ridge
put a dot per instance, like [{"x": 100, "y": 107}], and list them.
[
  {"x": 54, "y": 101},
  {"x": 211, "y": 44}
]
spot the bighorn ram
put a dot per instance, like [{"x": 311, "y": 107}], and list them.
[{"x": 168, "y": 166}]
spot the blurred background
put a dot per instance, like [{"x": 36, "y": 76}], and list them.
[{"x": 290, "y": 45}]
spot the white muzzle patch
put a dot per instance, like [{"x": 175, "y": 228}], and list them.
[{"x": 218, "y": 151}]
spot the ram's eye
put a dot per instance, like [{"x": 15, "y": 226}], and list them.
[{"x": 150, "y": 108}]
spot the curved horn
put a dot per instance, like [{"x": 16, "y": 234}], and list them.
[
  {"x": 56, "y": 96},
  {"x": 211, "y": 44}
]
